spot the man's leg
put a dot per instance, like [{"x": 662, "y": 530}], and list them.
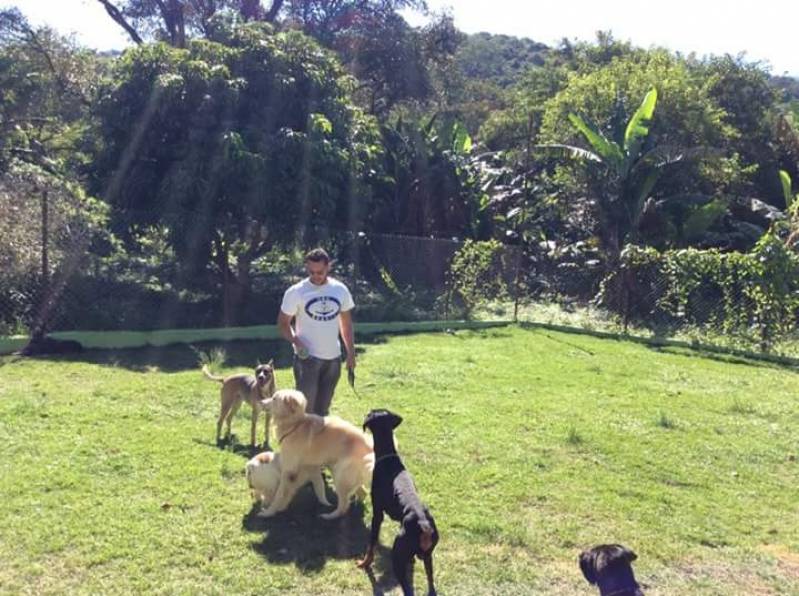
[
  {"x": 328, "y": 379},
  {"x": 307, "y": 379}
]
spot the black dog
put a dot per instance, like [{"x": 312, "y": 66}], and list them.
[
  {"x": 608, "y": 566},
  {"x": 393, "y": 492}
]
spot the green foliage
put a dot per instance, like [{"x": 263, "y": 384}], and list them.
[
  {"x": 754, "y": 296},
  {"x": 747, "y": 96},
  {"x": 475, "y": 275},
  {"x": 48, "y": 221},
  {"x": 787, "y": 193},
  {"x": 624, "y": 167},
  {"x": 214, "y": 358},
  {"x": 499, "y": 59},
  {"x": 434, "y": 185}
]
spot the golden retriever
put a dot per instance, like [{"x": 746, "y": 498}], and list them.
[{"x": 311, "y": 440}]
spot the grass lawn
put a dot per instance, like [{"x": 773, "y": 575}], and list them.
[{"x": 528, "y": 446}]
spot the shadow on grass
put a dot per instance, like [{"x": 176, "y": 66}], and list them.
[
  {"x": 10, "y": 359},
  {"x": 183, "y": 357},
  {"x": 243, "y": 354},
  {"x": 235, "y": 446},
  {"x": 490, "y": 333},
  {"x": 300, "y": 537},
  {"x": 722, "y": 357}
]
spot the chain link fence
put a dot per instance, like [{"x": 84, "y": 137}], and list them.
[{"x": 397, "y": 278}]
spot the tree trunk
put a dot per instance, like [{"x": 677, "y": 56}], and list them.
[
  {"x": 235, "y": 293},
  {"x": 236, "y": 287}
]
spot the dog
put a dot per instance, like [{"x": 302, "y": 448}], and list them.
[
  {"x": 608, "y": 566},
  {"x": 311, "y": 440},
  {"x": 240, "y": 388},
  {"x": 263, "y": 476},
  {"x": 394, "y": 492}
]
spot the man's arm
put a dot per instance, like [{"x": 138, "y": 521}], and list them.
[
  {"x": 286, "y": 330},
  {"x": 348, "y": 335}
]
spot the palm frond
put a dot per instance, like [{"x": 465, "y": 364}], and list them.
[{"x": 572, "y": 151}]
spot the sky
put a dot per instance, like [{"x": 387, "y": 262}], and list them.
[{"x": 764, "y": 31}]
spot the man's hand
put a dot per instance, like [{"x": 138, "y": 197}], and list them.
[{"x": 351, "y": 359}]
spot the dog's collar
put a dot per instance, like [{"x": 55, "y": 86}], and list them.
[
  {"x": 296, "y": 426},
  {"x": 382, "y": 457}
]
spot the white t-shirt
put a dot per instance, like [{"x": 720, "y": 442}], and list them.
[{"x": 317, "y": 309}]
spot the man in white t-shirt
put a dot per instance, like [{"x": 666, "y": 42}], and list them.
[{"x": 321, "y": 307}]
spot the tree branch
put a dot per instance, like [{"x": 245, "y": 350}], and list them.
[
  {"x": 34, "y": 39},
  {"x": 119, "y": 18}
]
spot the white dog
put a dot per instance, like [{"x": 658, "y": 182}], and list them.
[{"x": 263, "y": 476}]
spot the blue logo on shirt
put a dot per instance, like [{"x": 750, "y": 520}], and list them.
[{"x": 323, "y": 308}]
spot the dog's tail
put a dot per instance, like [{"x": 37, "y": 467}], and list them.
[{"x": 208, "y": 375}]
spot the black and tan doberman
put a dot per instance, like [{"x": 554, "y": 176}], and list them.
[{"x": 394, "y": 493}]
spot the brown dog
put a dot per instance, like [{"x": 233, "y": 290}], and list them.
[{"x": 240, "y": 388}]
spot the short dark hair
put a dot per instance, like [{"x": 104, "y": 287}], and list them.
[{"x": 317, "y": 255}]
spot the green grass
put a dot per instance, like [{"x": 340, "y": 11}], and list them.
[{"x": 528, "y": 446}]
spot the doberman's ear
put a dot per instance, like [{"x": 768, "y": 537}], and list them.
[
  {"x": 368, "y": 420},
  {"x": 587, "y": 565},
  {"x": 628, "y": 554},
  {"x": 396, "y": 420}
]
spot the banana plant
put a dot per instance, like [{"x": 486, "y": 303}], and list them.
[
  {"x": 632, "y": 169},
  {"x": 791, "y": 200},
  {"x": 791, "y": 207}
]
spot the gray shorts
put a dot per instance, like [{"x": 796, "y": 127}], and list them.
[{"x": 317, "y": 379}]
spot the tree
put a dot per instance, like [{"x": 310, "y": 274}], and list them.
[
  {"x": 46, "y": 88},
  {"x": 176, "y": 21},
  {"x": 237, "y": 144},
  {"x": 749, "y": 101},
  {"x": 330, "y": 20},
  {"x": 393, "y": 61}
]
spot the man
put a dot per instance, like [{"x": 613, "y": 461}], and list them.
[{"x": 321, "y": 308}]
